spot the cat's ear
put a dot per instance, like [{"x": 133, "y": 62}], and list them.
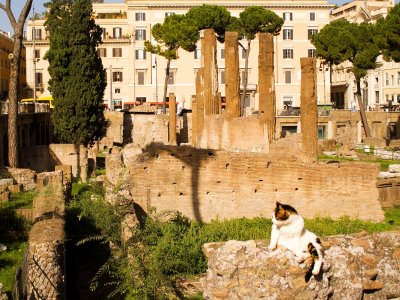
[{"x": 279, "y": 205}]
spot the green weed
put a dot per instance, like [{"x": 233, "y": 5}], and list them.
[
  {"x": 19, "y": 200},
  {"x": 10, "y": 260},
  {"x": 147, "y": 265}
]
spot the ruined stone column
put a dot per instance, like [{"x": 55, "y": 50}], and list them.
[
  {"x": 266, "y": 86},
  {"x": 194, "y": 122},
  {"x": 232, "y": 75},
  {"x": 200, "y": 111},
  {"x": 308, "y": 108},
  {"x": 172, "y": 119},
  {"x": 208, "y": 49}
]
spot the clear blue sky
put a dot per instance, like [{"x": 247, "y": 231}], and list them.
[{"x": 38, "y": 4}]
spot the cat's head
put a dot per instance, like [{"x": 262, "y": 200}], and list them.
[{"x": 283, "y": 211}]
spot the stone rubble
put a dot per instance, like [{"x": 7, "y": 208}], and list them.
[{"x": 358, "y": 266}]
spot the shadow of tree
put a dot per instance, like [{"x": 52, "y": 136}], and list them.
[{"x": 190, "y": 156}]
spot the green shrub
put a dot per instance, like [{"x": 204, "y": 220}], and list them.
[{"x": 147, "y": 265}]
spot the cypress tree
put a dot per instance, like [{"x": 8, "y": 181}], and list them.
[{"x": 77, "y": 75}]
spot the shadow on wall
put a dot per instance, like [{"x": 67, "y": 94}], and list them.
[{"x": 193, "y": 159}]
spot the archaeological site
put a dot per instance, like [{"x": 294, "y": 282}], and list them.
[{"x": 214, "y": 163}]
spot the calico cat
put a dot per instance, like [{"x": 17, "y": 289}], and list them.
[{"x": 288, "y": 231}]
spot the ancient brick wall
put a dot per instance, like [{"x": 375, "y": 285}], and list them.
[
  {"x": 70, "y": 154},
  {"x": 46, "y": 248},
  {"x": 389, "y": 192},
  {"x": 33, "y": 129},
  {"x": 236, "y": 134},
  {"x": 148, "y": 128},
  {"x": 207, "y": 184}
]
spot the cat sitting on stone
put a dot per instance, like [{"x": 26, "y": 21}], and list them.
[{"x": 288, "y": 231}]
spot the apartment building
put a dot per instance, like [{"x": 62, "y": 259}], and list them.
[
  {"x": 134, "y": 75},
  {"x": 381, "y": 87},
  {"x": 6, "y": 48}
]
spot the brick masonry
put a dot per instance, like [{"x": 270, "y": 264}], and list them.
[{"x": 207, "y": 184}]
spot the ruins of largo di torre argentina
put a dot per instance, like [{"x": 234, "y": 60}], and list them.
[{"x": 292, "y": 145}]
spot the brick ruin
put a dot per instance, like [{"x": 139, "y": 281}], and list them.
[
  {"x": 232, "y": 167},
  {"x": 42, "y": 274}
]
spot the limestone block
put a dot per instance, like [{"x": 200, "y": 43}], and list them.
[
  {"x": 385, "y": 175},
  {"x": 394, "y": 168},
  {"x": 4, "y": 196},
  {"x": 16, "y": 188},
  {"x": 6, "y": 182},
  {"x": 353, "y": 268},
  {"x": 26, "y": 177}
]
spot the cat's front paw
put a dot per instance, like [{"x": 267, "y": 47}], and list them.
[{"x": 315, "y": 272}]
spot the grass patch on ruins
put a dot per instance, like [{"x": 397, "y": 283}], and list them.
[
  {"x": 19, "y": 200},
  {"x": 14, "y": 231},
  {"x": 165, "y": 247},
  {"x": 367, "y": 158},
  {"x": 10, "y": 260}
]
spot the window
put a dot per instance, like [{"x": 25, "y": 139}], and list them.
[
  {"x": 37, "y": 33},
  {"x": 39, "y": 79},
  {"x": 140, "y": 77},
  {"x": 288, "y": 76},
  {"x": 392, "y": 79},
  {"x": 140, "y": 34},
  {"x": 398, "y": 78},
  {"x": 36, "y": 53},
  {"x": 197, "y": 53},
  {"x": 140, "y": 54},
  {"x": 311, "y": 32},
  {"x": 222, "y": 77},
  {"x": 223, "y": 53},
  {"x": 103, "y": 33},
  {"x": 287, "y": 16},
  {"x": 287, "y": 53},
  {"x": 141, "y": 99},
  {"x": 312, "y": 52},
  {"x": 288, "y": 34},
  {"x": 117, "y": 32},
  {"x": 117, "y": 91},
  {"x": 387, "y": 78},
  {"x": 242, "y": 75},
  {"x": 171, "y": 78},
  {"x": 117, "y": 76},
  {"x": 321, "y": 132},
  {"x": 117, "y": 52},
  {"x": 102, "y": 52},
  {"x": 376, "y": 96},
  {"x": 243, "y": 53},
  {"x": 169, "y": 13},
  {"x": 140, "y": 16},
  {"x": 288, "y": 128},
  {"x": 312, "y": 16}
]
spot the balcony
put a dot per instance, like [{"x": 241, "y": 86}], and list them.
[{"x": 116, "y": 15}]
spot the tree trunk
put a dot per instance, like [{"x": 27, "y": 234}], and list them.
[
  {"x": 164, "y": 107},
  {"x": 245, "y": 78},
  {"x": 15, "y": 62},
  {"x": 362, "y": 109},
  {"x": 13, "y": 155}
]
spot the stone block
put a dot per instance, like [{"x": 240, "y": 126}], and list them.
[
  {"x": 6, "y": 182},
  {"x": 16, "y": 188},
  {"x": 5, "y": 196},
  {"x": 394, "y": 168}
]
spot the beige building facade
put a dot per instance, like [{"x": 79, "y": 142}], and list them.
[
  {"x": 380, "y": 89},
  {"x": 136, "y": 76}
]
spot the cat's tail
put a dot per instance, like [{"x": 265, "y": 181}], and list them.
[{"x": 315, "y": 250}]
